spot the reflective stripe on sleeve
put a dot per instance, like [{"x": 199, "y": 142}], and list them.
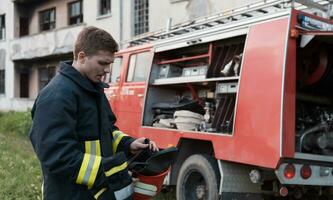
[
  {"x": 93, "y": 147},
  {"x": 124, "y": 193},
  {"x": 117, "y": 136},
  {"x": 99, "y": 193},
  {"x": 90, "y": 163},
  {"x": 98, "y": 148},
  {"x": 116, "y": 169},
  {"x": 88, "y": 170}
]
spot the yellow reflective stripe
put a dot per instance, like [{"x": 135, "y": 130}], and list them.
[
  {"x": 98, "y": 148},
  {"x": 90, "y": 164},
  {"x": 115, "y": 133},
  {"x": 116, "y": 169},
  {"x": 83, "y": 168},
  {"x": 117, "y": 136},
  {"x": 94, "y": 170},
  {"x": 88, "y": 146},
  {"x": 93, "y": 147},
  {"x": 99, "y": 193}
]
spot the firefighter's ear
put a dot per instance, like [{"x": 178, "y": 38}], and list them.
[{"x": 81, "y": 57}]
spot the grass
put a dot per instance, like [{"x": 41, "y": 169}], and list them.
[
  {"x": 20, "y": 176},
  {"x": 20, "y": 173},
  {"x": 17, "y": 123}
]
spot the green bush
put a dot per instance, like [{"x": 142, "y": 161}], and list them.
[{"x": 15, "y": 123}]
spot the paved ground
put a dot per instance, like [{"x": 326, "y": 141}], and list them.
[{"x": 170, "y": 195}]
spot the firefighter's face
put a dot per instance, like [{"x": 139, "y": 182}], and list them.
[{"x": 95, "y": 67}]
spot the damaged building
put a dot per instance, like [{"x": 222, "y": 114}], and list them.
[{"x": 36, "y": 34}]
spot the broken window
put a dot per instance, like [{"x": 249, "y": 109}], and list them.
[
  {"x": 2, "y": 27},
  {"x": 2, "y": 81},
  {"x": 47, "y": 19},
  {"x": 104, "y": 7},
  {"x": 141, "y": 16},
  {"x": 45, "y": 76},
  {"x": 75, "y": 12},
  {"x": 24, "y": 26}
]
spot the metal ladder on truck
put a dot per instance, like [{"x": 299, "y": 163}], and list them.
[{"x": 247, "y": 12}]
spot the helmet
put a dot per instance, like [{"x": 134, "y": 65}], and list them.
[
  {"x": 148, "y": 186},
  {"x": 151, "y": 168}
]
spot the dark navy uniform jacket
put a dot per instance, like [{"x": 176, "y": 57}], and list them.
[{"x": 82, "y": 153}]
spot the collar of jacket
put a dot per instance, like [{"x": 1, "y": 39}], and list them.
[{"x": 70, "y": 72}]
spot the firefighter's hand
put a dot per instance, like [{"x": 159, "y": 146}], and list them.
[{"x": 139, "y": 144}]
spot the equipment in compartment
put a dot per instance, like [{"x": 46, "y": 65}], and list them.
[
  {"x": 198, "y": 73},
  {"x": 168, "y": 70},
  {"x": 187, "y": 120},
  {"x": 224, "y": 114},
  {"x": 224, "y": 88},
  {"x": 232, "y": 68},
  {"x": 172, "y": 74},
  {"x": 315, "y": 66},
  {"x": 314, "y": 129},
  {"x": 195, "y": 71},
  {"x": 226, "y": 60},
  {"x": 164, "y": 112},
  {"x": 208, "y": 110},
  {"x": 163, "y": 122},
  {"x": 314, "y": 104}
]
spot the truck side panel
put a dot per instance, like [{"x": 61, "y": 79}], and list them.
[
  {"x": 257, "y": 136},
  {"x": 288, "y": 142},
  {"x": 258, "y": 113}
]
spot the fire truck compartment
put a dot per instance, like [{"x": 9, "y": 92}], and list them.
[
  {"x": 314, "y": 97},
  {"x": 195, "y": 88}
]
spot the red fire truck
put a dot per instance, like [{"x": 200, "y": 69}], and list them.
[{"x": 245, "y": 95}]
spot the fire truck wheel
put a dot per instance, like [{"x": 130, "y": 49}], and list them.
[{"x": 198, "y": 178}]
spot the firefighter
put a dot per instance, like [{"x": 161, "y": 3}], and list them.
[{"x": 82, "y": 153}]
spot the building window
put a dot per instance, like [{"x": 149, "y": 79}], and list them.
[
  {"x": 24, "y": 26},
  {"x": 75, "y": 12},
  {"x": 2, "y": 81},
  {"x": 47, "y": 19},
  {"x": 141, "y": 16},
  {"x": 139, "y": 64},
  {"x": 45, "y": 76},
  {"x": 2, "y": 27},
  {"x": 104, "y": 7}
]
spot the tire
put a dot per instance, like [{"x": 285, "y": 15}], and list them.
[{"x": 198, "y": 179}]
